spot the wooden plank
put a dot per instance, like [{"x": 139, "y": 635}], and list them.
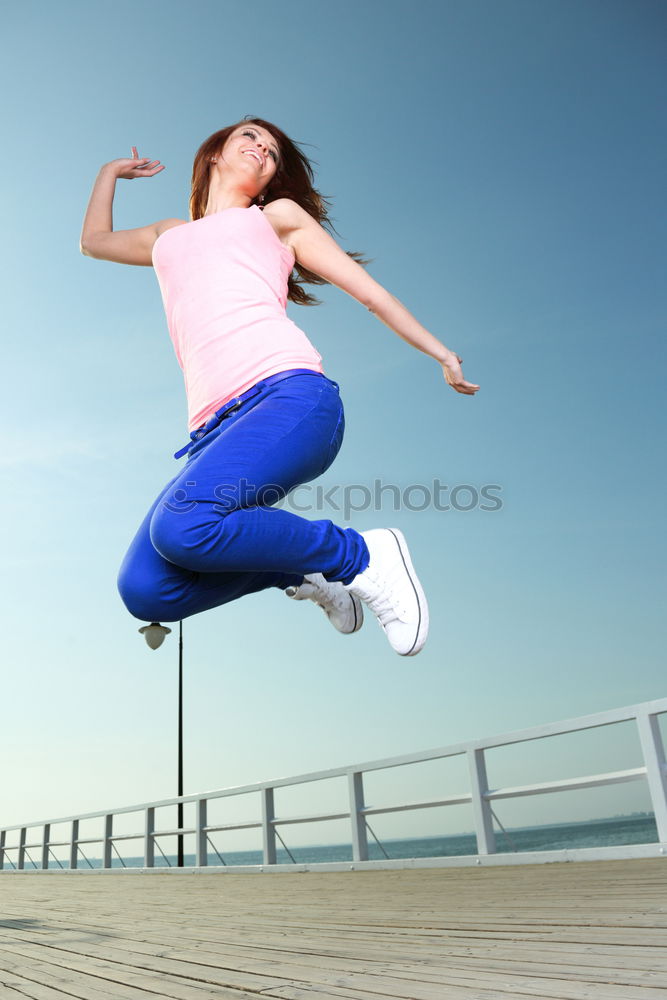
[
  {"x": 123, "y": 978},
  {"x": 316, "y": 949},
  {"x": 118, "y": 972},
  {"x": 611, "y": 939},
  {"x": 14, "y": 987},
  {"x": 86, "y": 987},
  {"x": 293, "y": 964},
  {"x": 46, "y": 982},
  {"x": 557, "y": 932},
  {"x": 301, "y": 993}
]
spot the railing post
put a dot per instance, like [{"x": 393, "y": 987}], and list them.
[
  {"x": 2, "y": 850},
  {"x": 106, "y": 846},
  {"x": 355, "y": 782},
  {"x": 74, "y": 846},
  {"x": 45, "y": 845},
  {"x": 268, "y": 829},
  {"x": 21, "y": 858},
  {"x": 481, "y": 808},
  {"x": 201, "y": 848},
  {"x": 149, "y": 841},
  {"x": 654, "y": 759}
]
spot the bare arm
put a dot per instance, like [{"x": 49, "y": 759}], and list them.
[
  {"x": 127, "y": 246},
  {"x": 319, "y": 252}
]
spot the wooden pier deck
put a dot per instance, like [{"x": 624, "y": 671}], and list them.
[{"x": 564, "y": 931}]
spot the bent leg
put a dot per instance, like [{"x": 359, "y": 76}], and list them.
[
  {"x": 154, "y": 589},
  {"x": 217, "y": 517}
]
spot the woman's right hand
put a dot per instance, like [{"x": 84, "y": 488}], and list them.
[
  {"x": 135, "y": 167},
  {"x": 451, "y": 368}
]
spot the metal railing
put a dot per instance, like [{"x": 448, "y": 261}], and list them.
[{"x": 479, "y": 795}]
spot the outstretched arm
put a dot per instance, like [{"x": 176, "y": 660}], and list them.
[
  {"x": 316, "y": 250},
  {"x": 127, "y": 246}
]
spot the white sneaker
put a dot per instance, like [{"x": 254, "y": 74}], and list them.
[
  {"x": 390, "y": 588},
  {"x": 343, "y": 610}
]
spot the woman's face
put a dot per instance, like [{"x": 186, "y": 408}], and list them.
[{"x": 251, "y": 148}]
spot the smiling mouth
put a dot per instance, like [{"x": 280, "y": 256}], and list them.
[{"x": 251, "y": 152}]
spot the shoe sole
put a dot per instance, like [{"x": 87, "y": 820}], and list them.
[
  {"x": 422, "y": 604},
  {"x": 358, "y": 616}
]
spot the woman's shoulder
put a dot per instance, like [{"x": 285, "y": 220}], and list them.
[
  {"x": 164, "y": 224},
  {"x": 286, "y": 217},
  {"x": 282, "y": 215},
  {"x": 284, "y": 210}
]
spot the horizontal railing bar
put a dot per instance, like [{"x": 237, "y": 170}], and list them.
[
  {"x": 173, "y": 833},
  {"x": 568, "y": 784},
  {"x": 610, "y": 717},
  {"x": 233, "y": 826},
  {"x": 279, "y": 821},
  {"x": 502, "y": 793},
  {"x": 378, "y": 810}
]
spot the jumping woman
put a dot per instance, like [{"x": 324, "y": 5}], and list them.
[{"x": 263, "y": 416}]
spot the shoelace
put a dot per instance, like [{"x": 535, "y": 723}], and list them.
[
  {"x": 387, "y": 606},
  {"x": 325, "y": 598}
]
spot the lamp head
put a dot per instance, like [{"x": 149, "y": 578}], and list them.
[{"x": 154, "y": 634}]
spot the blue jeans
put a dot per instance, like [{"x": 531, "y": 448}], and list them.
[{"x": 212, "y": 535}]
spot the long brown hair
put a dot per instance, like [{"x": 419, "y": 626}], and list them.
[{"x": 293, "y": 179}]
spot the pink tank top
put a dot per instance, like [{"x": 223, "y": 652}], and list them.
[{"x": 223, "y": 280}]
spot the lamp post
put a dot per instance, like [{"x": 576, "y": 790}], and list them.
[
  {"x": 154, "y": 634},
  {"x": 180, "y": 861}
]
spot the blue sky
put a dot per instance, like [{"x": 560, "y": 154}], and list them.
[{"x": 503, "y": 163}]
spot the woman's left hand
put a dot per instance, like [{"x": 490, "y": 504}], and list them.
[{"x": 454, "y": 375}]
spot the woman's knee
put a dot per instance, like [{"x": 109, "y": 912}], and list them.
[
  {"x": 140, "y": 598},
  {"x": 135, "y": 596}
]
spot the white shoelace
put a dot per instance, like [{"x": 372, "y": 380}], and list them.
[
  {"x": 383, "y": 599},
  {"x": 326, "y": 596}
]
